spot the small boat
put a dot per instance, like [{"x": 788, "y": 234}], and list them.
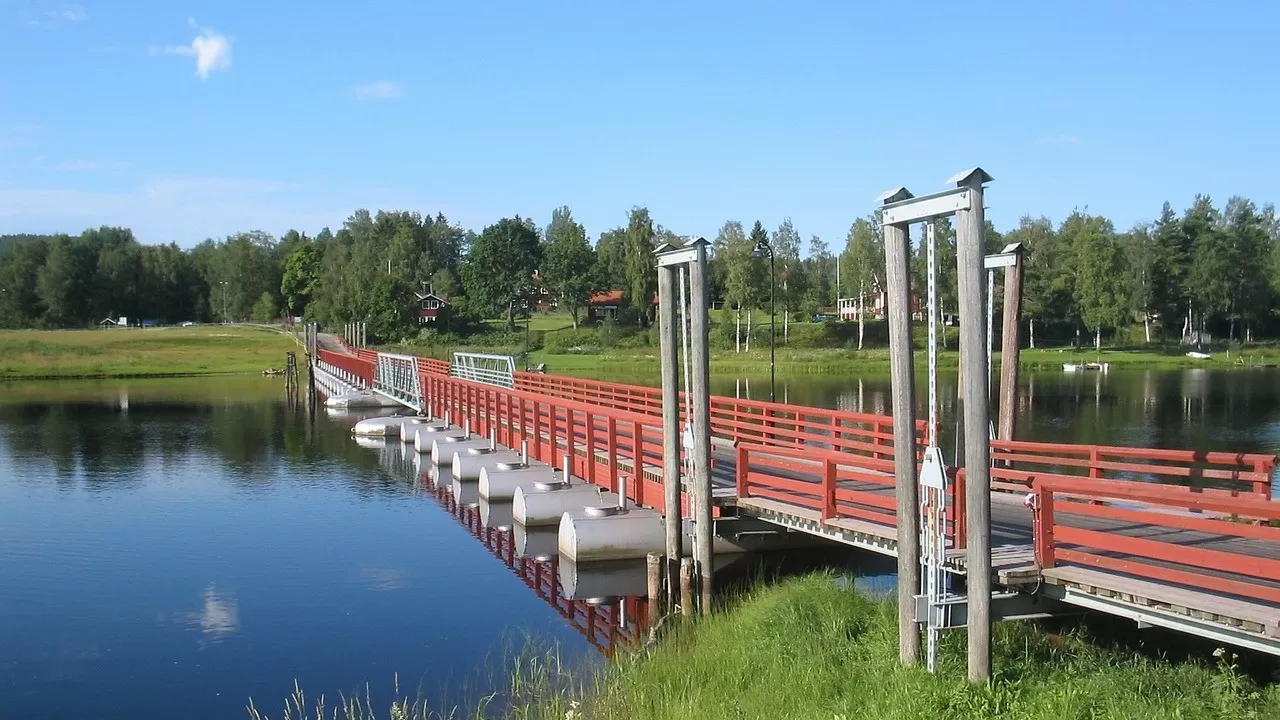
[
  {"x": 1198, "y": 355},
  {"x": 1086, "y": 367}
]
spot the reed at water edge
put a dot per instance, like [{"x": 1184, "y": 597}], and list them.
[{"x": 810, "y": 647}]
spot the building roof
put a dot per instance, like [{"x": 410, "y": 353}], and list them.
[
  {"x": 606, "y": 297},
  {"x": 422, "y": 296}
]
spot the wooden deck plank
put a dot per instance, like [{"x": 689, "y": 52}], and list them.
[{"x": 1171, "y": 597}]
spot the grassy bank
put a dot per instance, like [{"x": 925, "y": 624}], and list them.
[
  {"x": 809, "y": 648},
  {"x": 644, "y": 361},
  {"x": 152, "y": 352},
  {"x": 618, "y": 351}
]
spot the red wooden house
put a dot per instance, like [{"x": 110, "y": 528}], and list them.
[{"x": 432, "y": 310}]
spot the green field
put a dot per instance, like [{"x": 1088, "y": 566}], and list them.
[{"x": 150, "y": 352}]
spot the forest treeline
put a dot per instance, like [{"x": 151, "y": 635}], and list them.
[{"x": 1208, "y": 269}]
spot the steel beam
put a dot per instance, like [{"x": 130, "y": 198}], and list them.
[{"x": 925, "y": 207}]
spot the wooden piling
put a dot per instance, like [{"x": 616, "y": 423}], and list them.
[
  {"x": 970, "y": 227},
  {"x": 670, "y": 345},
  {"x": 686, "y": 587},
  {"x": 653, "y": 570},
  {"x": 1011, "y": 346},
  {"x": 897, "y": 272},
  {"x": 700, "y": 379}
]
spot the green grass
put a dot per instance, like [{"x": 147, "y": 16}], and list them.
[
  {"x": 809, "y": 648},
  {"x": 152, "y": 352}
]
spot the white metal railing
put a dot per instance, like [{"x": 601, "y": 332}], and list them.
[
  {"x": 499, "y": 370},
  {"x": 397, "y": 377}
]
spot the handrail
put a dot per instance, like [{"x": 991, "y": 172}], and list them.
[
  {"x": 1016, "y": 463},
  {"x": 1114, "y": 510},
  {"x": 824, "y": 492}
]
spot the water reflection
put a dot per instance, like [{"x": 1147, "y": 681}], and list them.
[
  {"x": 1197, "y": 408},
  {"x": 217, "y": 619}
]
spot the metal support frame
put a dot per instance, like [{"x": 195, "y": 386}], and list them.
[
  {"x": 692, "y": 257},
  {"x": 396, "y": 376},
  {"x": 900, "y": 208},
  {"x": 496, "y": 370}
]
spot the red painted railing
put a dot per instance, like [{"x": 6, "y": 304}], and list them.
[
  {"x": 867, "y": 494},
  {"x": 596, "y": 441},
  {"x": 1098, "y": 523},
  {"x": 736, "y": 419},
  {"x": 1018, "y": 464}
]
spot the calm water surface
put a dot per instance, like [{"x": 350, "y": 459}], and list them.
[{"x": 172, "y": 548}]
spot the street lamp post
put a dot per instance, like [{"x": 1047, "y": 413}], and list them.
[
  {"x": 764, "y": 248},
  {"x": 223, "y": 283}
]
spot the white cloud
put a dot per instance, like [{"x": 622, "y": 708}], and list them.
[
  {"x": 71, "y": 13},
  {"x": 1056, "y": 140},
  {"x": 211, "y": 50},
  {"x": 379, "y": 90}
]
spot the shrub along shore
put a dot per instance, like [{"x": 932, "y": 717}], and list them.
[{"x": 811, "y": 647}]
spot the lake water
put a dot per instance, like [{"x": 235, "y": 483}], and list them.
[{"x": 170, "y": 548}]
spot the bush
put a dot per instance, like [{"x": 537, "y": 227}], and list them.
[{"x": 571, "y": 342}]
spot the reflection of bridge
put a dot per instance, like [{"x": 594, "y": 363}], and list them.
[
  {"x": 605, "y": 626},
  {"x": 1182, "y": 539}
]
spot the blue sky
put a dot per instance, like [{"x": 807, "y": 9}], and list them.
[{"x": 186, "y": 120}]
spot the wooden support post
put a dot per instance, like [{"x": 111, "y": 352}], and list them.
[
  {"x": 970, "y": 227},
  {"x": 686, "y": 587},
  {"x": 654, "y": 577},
  {"x": 700, "y": 378},
  {"x": 1011, "y": 346},
  {"x": 897, "y": 249},
  {"x": 669, "y": 343}
]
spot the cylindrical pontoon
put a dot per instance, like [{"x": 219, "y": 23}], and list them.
[
  {"x": 543, "y": 504},
  {"x": 443, "y": 448},
  {"x": 593, "y": 534},
  {"x": 410, "y": 427},
  {"x": 424, "y": 435},
  {"x": 499, "y": 483},
  {"x": 468, "y": 464},
  {"x": 388, "y": 426}
]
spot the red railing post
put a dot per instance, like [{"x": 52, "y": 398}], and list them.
[
  {"x": 828, "y": 489},
  {"x": 1042, "y": 515},
  {"x": 612, "y": 450},
  {"x": 741, "y": 466},
  {"x": 637, "y": 457},
  {"x": 591, "y": 447},
  {"x": 537, "y": 434}
]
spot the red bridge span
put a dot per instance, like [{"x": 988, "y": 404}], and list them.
[{"x": 1182, "y": 539}]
